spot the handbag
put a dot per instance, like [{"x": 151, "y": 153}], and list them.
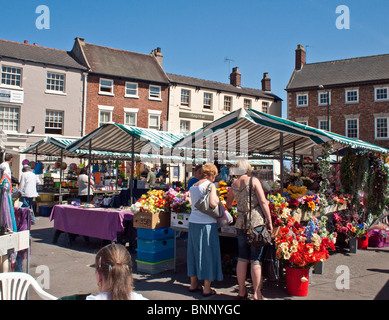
[
  {"x": 270, "y": 263},
  {"x": 203, "y": 205},
  {"x": 256, "y": 236}
]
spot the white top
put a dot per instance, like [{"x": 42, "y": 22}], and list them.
[
  {"x": 27, "y": 186},
  {"x": 83, "y": 185},
  {"x": 196, "y": 216},
  {"x": 6, "y": 168},
  {"x": 107, "y": 296}
]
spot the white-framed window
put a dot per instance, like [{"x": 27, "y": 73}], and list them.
[
  {"x": 184, "y": 126},
  {"x": 247, "y": 103},
  {"x": 207, "y": 101},
  {"x": 105, "y": 114},
  {"x": 106, "y": 87},
  {"x": 305, "y": 123},
  {"x": 131, "y": 117},
  {"x": 11, "y": 76},
  {"x": 9, "y": 118},
  {"x": 324, "y": 98},
  {"x": 324, "y": 125},
  {"x": 352, "y": 96},
  {"x": 381, "y": 94},
  {"x": 155, "y": 92},
  {"x": 227, "y": 106},
  {"x": 154, "y": 119},
  {"x": 381, "y": 128},
  {"x": 55, "y": 82},
  {"x": 265, "y": 107},
  {"x": 131, "y": 90},
  {"x": 185, "y": 97},
  {"x": 54, "y": 122},
  {"x": 302, "y": 100},
  {"x": 352, "y": 128}
]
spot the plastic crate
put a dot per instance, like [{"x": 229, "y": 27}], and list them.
[
  {"x": 44, "y": 211},
  {"x": 155, "y": 245},
  {"x": 155, "y": 256},
  {"x": 156, "y": 267},
  {"x": 155, "y": 234}
]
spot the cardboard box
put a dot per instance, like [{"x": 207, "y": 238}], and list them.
[{"x": 148, "y": 220}]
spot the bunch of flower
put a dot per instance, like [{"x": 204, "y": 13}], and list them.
[
  {"x": 319, "y": 226},
  {"x": 181, "y": 203},
  {"x": 298, "y": 251},
  {"x": 154, "y": 202},
  {"x": 349, "y": 227},
  {"x": 295, "y": 192},
  {"x": 310, "y": 202},
  {"x": 279, "y": 211},
  {"x": 222, "y": 190}
]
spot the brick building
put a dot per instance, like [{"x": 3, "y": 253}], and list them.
[
  {"x": 351, "y": 93},
  {"x": 122, "y": 86}
]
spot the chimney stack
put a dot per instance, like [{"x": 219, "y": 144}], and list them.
[
  {"x": 266, "y": 82},
  {"x": 158, "y": 55},
  {"x": 235, "y": 77},
  {"x": 300, "y": 57}
]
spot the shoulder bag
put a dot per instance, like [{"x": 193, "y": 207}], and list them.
[
  {"x": 203, "y": 205},
  {"x": 256, "y": 236}
]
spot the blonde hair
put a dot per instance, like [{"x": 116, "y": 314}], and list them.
[
  {"x": 115, "y": 265},
  {"x": 208, "y": 170},
  {"x": 243, "y": 166}
]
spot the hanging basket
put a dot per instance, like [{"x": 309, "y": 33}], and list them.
[{"x": 297, "y": 281}]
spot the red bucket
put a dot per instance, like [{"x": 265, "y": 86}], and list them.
[
  {"x": 297, "y": 281},
  {"x": 363, "y": 241}
]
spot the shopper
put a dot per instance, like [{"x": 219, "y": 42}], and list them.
[
  {"x": 203, "y": 254},
  {"x": 151, "y": 178},
  {"x": 114, "y": 274},
  {"x": 27, "y": 189},
  {"x": 83, "y": 185},
  {"x": 5, "y": 166},
  {"x": 260, "y": 215},
  {"x": 196, "y": 176}
]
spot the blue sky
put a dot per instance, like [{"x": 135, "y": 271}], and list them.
[{"x": 196, "y": 37}]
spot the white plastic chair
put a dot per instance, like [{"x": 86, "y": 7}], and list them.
[{"x": 14, "y": 286}]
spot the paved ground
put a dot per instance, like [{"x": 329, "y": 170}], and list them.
[{"x": 71, "y": 272}]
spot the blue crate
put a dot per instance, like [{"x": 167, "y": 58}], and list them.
[
  {"x": 154, "y": 256},
  {"x": 44, "y": 211},
  {"x": 155, "y": 245},
  {"x": 155, "y": 234}
]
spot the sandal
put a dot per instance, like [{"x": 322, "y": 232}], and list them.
[
  {"x": 198, "y": 288},
  {"x": 211, "y": 293}
]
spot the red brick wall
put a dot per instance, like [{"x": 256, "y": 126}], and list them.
[
  {"x": 366, "y": 108},
  {"x": 119, "y": 102}
]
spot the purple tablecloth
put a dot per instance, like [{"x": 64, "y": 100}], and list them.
[{"x": 92, "y": 222}]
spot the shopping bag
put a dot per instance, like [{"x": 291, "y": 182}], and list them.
[{"x": 270, "y": 263}]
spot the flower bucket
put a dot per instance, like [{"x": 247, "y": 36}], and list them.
[
  {"x": 363, "y": 241},
  {"x": 297, "y": 281},
  {"x": 353, "y": 244}
]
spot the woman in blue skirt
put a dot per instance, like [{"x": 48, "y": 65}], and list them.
[{"x": 203, "y": 256}]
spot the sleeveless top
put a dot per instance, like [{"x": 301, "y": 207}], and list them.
[
  {"x": 196, "y": 192},
  {"x": 242, "y": 198}
]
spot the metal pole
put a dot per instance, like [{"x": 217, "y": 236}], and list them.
[
  {"x": 282, "y": 160},
  {"x": 132, "y": 168},
  {"x": 328, "y": 109},
  {"x": 60, "y": 178},
  {"x": 90, "y": 168}
]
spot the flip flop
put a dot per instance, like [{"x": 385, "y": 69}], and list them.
[{"x": 211, "y": 293}]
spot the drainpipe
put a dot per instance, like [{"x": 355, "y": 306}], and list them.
[{"x": 85, "y": 89}]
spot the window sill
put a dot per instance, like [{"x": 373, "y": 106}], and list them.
[
  {"x": 381, "y": 100},
  {"x": 185, "y": 107},
  {"x": 4, "y": 86},
  {"x": 58, "y": 93},
  {"x": 207, "y": 110},
  {"x": 106, "y": 94},
  {"x": 155, "y": 99},
  {"x": 302, "y": 106},
  {"x": 351, "y": 102},
  {"x": 131, "y": 97}
]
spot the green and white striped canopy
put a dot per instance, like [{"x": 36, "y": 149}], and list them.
[
  {"x": 248, "y": 131},
  {"x": 116, "y": 137}
]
